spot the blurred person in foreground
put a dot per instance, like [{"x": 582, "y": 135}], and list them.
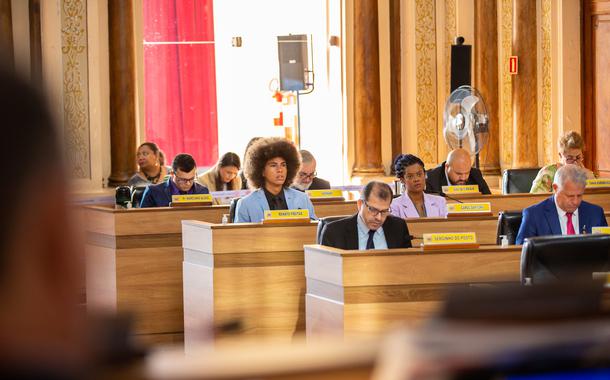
[
  {"x": 563, "y": 213},
  {"x": 307, "y": 178},
  {"x": 41, "y": 327},
  {"x": 372, "y": 227}
]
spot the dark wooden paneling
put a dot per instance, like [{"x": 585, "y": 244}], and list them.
[
  {"x": 486, "y": 78},
  {"x": 367, "y": 98},
  {"x": 6, "y": 31},
  {"x": 525, "y": 101},
  {"x": 35, "y": 42},
  {"x": 596, "y": 85}
]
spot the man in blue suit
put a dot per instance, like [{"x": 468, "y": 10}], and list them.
[
  {"x": 564, "y": 213},
  {"x": 182, "y": 181}
]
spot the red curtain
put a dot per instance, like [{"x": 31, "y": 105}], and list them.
[{"x": 180, "y": 79}]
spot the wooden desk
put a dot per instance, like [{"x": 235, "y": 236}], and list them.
[
  {"x": 364, "y": 292},
  {"x": 484, "y": 226},
  {"x": 248, "y": 272},
  {"x": 134, "y": 264},
  {"x": 600, "y": 197}
]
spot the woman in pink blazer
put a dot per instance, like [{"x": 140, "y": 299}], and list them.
[{"x": 413, "y": 202}]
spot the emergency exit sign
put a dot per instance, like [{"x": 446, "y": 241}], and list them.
[{"x": 513, "y": 65}]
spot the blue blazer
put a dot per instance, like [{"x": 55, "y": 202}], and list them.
[
  {"x": 160, "y": 195},
  {"x": 542, "y": 219},
  {"x": 252, "y": 207}
]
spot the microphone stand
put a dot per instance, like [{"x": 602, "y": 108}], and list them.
[{"x": 443, "y": 195}]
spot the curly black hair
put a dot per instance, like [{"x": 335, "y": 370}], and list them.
[
  {"x": 266, "y": 149},
  {"x": 404, "y": 160}
]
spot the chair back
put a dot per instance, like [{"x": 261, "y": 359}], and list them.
[
  {"x": 122, "y": 195},
  {"x": 136, "y": 195},
  {"x": 508, "y": 224},
  {"x": 518, "y": 180},
  {"x": 232, "y": 208},
  {"x": 548, "y": 259},
  {"x": 324, "y": 221}
]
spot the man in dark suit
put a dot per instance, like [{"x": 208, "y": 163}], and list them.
[
  {"x": 564, "y": 213},
  {"x": 306, "y": 178},
  {"x": 457, "y": 170},
  {"x": 182, "y": 181},
  {"x": 372, "y": 227}
]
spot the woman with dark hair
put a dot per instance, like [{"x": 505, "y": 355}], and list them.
[
  {"x": 223, "y": 176},
  {"x": 152, "y": 171},
  {"x": 270, "y": 168},
  {"x": 413, "y": 202}
]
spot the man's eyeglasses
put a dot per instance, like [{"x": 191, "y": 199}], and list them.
[
  {"x": 374, "y": 211},
  {"x": 572, "y": 159},
  {"x": 183, "y": 180},
  {"x": 303, "y": 175}
]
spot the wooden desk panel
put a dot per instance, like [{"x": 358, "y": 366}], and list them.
[
  {"x": 251, "y": 273},
  {"x": 134, "y": 264},
  {"x": 484, "y": 226},
  {"x": 600, "y": 197},
  {"x": 364, "y": 292}
]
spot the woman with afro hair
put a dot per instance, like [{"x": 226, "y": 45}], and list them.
[
  {"x": 413, "y": 202},
  {"x": 270, "y": 167}
]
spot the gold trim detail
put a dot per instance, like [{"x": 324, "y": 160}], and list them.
[
  {"x": 546, "y": 80},
  {"x": 75, "y": 87},
  {"x": 450, "y": 33},
  {"x": 425, "y": 57}
]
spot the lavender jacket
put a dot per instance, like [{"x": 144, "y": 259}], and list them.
[{"x": 402, "y": 206}]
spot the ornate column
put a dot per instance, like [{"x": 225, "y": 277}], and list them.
[
  {"x": 395, "y": 74},
  {"x": 525, "y": 102},
  {"x": 6, "y": 30},
  {"x": 486, "y": 77},
  {"x": 367, "y": 112},
  {"x": 122, "y": 91}
]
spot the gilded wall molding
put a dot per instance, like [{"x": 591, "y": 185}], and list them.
[
  {"x": 506, "y": 119},
  {"x": 75, "y": 87},
  {"x": 450, "y": 33},
  {"x": 425, "y": 52},
  {"x": 546, "y": 80}
]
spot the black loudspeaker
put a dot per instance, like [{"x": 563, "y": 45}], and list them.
[
  {"x": 460, "y": 64},
  {"x": 292, "y": 53}
]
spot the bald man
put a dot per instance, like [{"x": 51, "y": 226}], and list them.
[{"x": 457, "y": 170}]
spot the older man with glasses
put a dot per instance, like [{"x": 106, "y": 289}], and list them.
[
  {"x": 307, "y": 178},
  {"x": 372, "y": 227},
  {"x": 181, "y": 181}
]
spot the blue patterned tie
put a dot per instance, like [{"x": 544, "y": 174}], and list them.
[{"x": 369, "y": 243}]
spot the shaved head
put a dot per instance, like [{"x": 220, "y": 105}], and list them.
[
  {"x": 458, "y": 166},
  {"x": 459, "y": 155}
]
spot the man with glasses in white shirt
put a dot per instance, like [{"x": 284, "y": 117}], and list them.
[
  {"x": 307, "y": 178},
  {"x": 372, "y": 227},
  {"x": 181, "y": 181}
]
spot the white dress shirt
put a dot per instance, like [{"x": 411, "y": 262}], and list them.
[
  {"x": 363, "y": 236},
  {"x": 563, "y": 220}
]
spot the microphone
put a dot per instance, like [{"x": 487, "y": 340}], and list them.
[{"x": 443, "y": 195}]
